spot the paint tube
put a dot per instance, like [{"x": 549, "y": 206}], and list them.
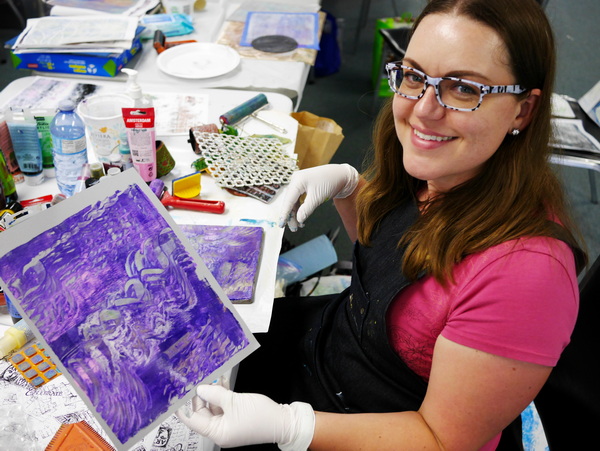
[
  {"x": 43, "y": 119},
  {"x": 26, "y": 144},
  {"x": 141, "y": 137},
  {"x": 7, "y": 147}
]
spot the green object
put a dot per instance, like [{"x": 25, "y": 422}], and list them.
[
  {"x": 281, "y": 139},
  {"x": 229, "y": 130},
  {"x": 43, "y": 128},
  {"x": 200, "y": 165},
  {"x": 405, "y": 20},
  {"x": 7, "y": 181}
]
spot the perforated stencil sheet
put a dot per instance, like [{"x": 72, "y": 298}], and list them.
[{"x": 236, "y": 161}]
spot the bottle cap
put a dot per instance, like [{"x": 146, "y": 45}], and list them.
[
  {"x": 91, "y": 182},
  {"x": 115, "y": 158},
  {"x": 133, "y": 89},
  {"x": 96, "y": 169},
  {"x": 33, "y": 180},
  {"x": 66, "y": 105},
  {"x": 113, "y": 171}
]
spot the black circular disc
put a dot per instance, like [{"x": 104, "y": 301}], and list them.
[{"x": 275, "y": 43}]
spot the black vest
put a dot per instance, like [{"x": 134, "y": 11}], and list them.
[{"x": 350, "y": 364}]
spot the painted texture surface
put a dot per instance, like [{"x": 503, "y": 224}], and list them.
[
  {"x": 117, "y": 297},
  {"x": 231, "y": 253}
]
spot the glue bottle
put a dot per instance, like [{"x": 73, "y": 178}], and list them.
[
  {"x": 14, "y": 338},
  {"x": 134, "y": 90}
]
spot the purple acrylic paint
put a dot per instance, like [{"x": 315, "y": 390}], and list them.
[
  {"x": 117, "y": 297},
  {"x": 232, "y": 255}
]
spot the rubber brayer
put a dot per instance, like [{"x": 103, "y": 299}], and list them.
[
  {"x": 210, "y": 206},
  {"x": 248, "y": 108}
]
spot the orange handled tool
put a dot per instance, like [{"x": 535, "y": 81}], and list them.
[
  {"x": 160, "y": 42},
  {"x": 168, "y": 200}
]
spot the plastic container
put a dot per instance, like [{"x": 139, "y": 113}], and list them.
[
  {"x": 179, "y": 6},
  {"x": 306, "y": 259},
  {"x": 104, "y": 123},
  {"x": 69, "y": 146}
]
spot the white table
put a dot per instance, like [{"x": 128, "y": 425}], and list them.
[
  {"x": 239, "y": 210},
  {"x": 284, "y": 77}
]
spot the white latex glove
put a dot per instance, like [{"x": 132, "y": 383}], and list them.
[
  {"x": 236, "y": 419},
  {"x": 320, "y": 184}
]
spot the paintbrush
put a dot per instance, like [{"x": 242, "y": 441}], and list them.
[{"x": 210, "y": 206}]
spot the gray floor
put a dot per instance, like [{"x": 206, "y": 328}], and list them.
[{"x": 347, "y": 96}]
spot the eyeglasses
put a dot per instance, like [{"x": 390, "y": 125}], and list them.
[{"x": 451, "y": 92}]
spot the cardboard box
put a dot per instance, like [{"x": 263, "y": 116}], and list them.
[
  {"x": 98, "y": 64},
  {"x": 388, "y": 22}
]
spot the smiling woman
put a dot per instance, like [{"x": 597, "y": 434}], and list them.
[
  {"x": 443, "y": 144},
  {"x": 464, "y": 285}
]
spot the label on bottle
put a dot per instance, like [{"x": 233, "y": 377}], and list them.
[{"x": 69, "y": 146}]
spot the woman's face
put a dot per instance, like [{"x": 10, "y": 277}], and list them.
[{"x": 443, "y": 146}]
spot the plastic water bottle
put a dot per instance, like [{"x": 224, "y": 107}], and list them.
[{"x": 69, "y": 147}]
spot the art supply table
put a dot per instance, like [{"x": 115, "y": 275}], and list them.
[
  {"x": 243, "y": 211},
  {"x": 251, "y": 74},
  {"x": 239, "y": 210}
]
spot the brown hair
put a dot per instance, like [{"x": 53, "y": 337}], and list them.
[{"x": 516, "y": 190}]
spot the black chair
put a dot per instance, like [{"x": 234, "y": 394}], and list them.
[{"x": 569, "y": 403}]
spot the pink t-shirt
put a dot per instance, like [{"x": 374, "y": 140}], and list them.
[{"x": 517, "y": 300}]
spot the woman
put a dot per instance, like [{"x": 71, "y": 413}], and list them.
[{"x": 464, "y": 289}]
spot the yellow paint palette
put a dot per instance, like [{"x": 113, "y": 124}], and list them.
[
  {"x": 187, "y": 186},
  {"x": 34, "y": 365}
]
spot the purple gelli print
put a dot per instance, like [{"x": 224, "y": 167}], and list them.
[
  {"x": 232, "y": 255},
  {"x": 117, "y": 297}
]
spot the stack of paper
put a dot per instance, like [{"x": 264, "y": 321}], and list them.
[
  {"x": 83, "y": 7},
  {"x": 78, "y": 34}
]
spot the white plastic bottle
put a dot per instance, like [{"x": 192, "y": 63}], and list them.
[
  {"x": 69, "y": 147},
  {"x": 134, "y": 90}
]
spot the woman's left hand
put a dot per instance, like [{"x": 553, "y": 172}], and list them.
[{"x": 235, "y": 419}]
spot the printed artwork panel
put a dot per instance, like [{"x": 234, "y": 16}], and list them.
[
  {"x": 231, "y": 253},
  {"x": 121, "y": 302}
]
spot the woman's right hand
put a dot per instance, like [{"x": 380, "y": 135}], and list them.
[{"x": 320, "y": 184}]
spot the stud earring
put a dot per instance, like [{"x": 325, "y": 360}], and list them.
[{"x": 515, "y": 131}]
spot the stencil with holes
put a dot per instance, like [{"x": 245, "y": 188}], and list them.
[{"x": 236, "y": 161}]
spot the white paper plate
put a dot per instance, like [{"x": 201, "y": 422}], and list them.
[{"x": 198, "y": 60}]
